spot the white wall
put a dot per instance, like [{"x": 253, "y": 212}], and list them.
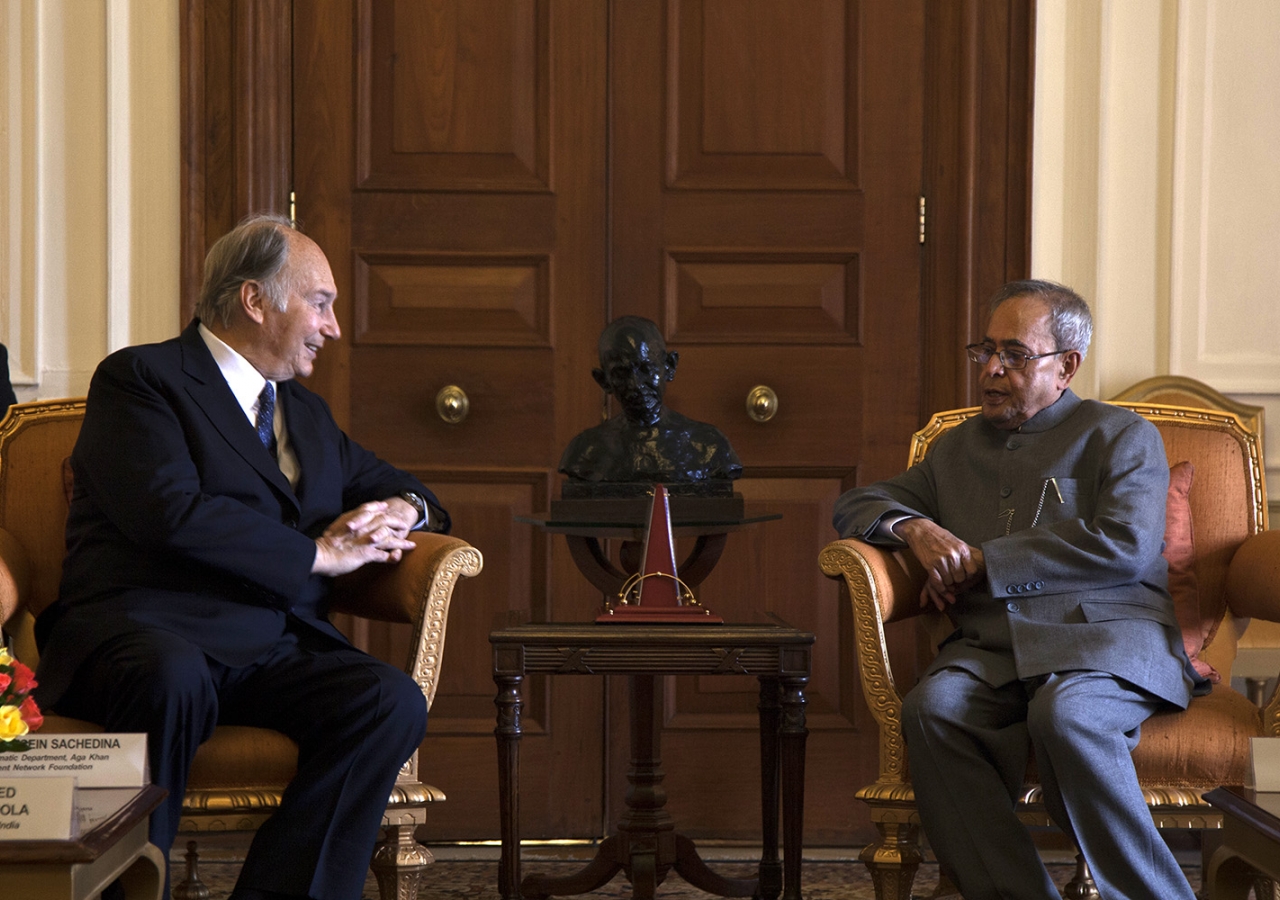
[
  {"x": 89, "y": 185},
  {"x": 1156, "y": 189}
]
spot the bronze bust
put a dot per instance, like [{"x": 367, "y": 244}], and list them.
[{"x": 646, "y": 442}]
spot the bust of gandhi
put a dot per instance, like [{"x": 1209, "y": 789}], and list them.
[{"x": 645, "y": 442}]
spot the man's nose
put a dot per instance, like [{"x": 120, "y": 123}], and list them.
[
  {"x": 330, "y": 327},
  {"x": 993, "y": 367}
]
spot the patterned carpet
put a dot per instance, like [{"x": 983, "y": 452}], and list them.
[{"x": 830, "y": 876}]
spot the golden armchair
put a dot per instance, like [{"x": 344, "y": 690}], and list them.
[
  {"x": 240, "y": 773},
  {"x": 1181, "y": 755}
]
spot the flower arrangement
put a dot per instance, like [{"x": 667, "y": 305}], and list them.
[{"x": 19, "y": 715}]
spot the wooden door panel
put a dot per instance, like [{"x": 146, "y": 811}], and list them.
[
  {"x": 511, "y": 418},
  {"x": 797, "y": 296},
  {"x": 452, "y": 168},
  {"x": 818, "y": 388},
  {"x": 733, "y": 123},
  {"x": 448, "y": 298},
  {"x": 453, "y": 96},
  {"x": 766, "y": 173}
]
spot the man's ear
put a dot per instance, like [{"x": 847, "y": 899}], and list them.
[
  {"x": 672, "y": 358},
  {"x": 601, "y": 379},
  {"x": 1068, "y": 366},
  {"x": 252, "y": 301}
]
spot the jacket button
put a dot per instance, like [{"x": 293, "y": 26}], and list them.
[
  {"x": 1039, "y": 585},
  {"x": 1012, "y": 607},
  {"x": 1013, "y": 444},
  {"x": 291, "y": 523},
  {"x": 1006, "y": 491}
]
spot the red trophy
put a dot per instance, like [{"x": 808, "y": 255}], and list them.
[{"x": 655, "y": 593}]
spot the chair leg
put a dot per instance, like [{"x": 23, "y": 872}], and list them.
[
  {"x": 893, "y": 860},
  {"x": 1081, "y": 886},
  {"x": 399, "y": 863},
  {"x": 191, "y": 887}
]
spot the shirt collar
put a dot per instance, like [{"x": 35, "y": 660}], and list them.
[
  {"x": 244, "y": 380},
  {"x": 1054, "y": 414}
]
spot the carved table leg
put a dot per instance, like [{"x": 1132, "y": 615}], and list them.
[
  {"x": 191, "y": 887},
  {"x": 646, "y": 830},
  {"x": 792, "y": 736},
  {"x": 509, "y": 704},
  {"x": 1081, "y": 886}
]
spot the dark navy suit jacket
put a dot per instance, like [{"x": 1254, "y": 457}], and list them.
[{"x": 180, "y": 518}]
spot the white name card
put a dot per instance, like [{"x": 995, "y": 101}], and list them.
[
  {"x": 36, "y": 809},
  {"x": 1265, "y": 763},
  {"x": 94, "y": 760}
]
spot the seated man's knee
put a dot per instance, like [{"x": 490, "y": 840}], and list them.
[
  {"x": 929, "y": 704},
  {"x": 403, "y": 710},
  {"x": 159, "y": 675},
  {"x": 1061, "y": 711}
]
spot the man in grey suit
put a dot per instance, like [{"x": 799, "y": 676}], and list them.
[{"x": 1040, "y": 524}]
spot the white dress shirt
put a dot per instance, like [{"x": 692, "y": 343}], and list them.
[{"x": 246, "y": 384}]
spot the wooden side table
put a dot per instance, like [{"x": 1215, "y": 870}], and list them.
[
  {"x": 114, "y": 847},
  {"x": 646, "y": 845},
  {"x": 1250, "y": 848}
]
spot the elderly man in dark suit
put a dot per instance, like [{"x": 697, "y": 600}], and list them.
[
  {"x": 214, "y": 500},
  {"x": 1040, "y": 524}
]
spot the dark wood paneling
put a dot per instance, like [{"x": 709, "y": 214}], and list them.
[
  {"x": 768, "y": 166},
  {"x": 977, "y": 179},
  {"x": 237, "y": 140},
  {"x": 425, "y": 68}
]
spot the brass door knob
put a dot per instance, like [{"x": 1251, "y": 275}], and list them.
[
  {"x": 452, "y": 404},
  {"x": 762, "y": 403}
]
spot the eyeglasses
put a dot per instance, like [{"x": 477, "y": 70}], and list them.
[{"x": 1009, "y": 359}]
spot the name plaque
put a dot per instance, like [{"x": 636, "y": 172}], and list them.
[
  {"x": 94, "y": 760},
  {"x": 37, "y": 809}
]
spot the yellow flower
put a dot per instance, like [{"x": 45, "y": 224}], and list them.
[
  {"x": 11, "y": 723},
  {"x": 5, "y": 658}
]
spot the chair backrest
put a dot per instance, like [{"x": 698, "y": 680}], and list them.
[
  {"x": 35, "y": 440},
  {"x": 1228, "y": 494}
]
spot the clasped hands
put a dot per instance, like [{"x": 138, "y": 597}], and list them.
[
  {"x": 952, "y": 566},
  {"x": 377, "y": 531}
]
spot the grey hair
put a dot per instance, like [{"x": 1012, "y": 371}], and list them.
[
  {"x": 1070, "y": 321},
  {"x": 255, "y": 250}
]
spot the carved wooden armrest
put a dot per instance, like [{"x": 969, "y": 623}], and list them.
[
  {"x": 416, "y": 590},
  {"x": 883, "y": 586}
]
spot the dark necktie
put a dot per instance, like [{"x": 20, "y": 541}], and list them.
[{"x": 266, "y": 417}]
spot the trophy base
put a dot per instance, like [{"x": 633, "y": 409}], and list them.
[{"x": 658, "y": 615}]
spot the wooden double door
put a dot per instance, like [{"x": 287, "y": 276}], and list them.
[{"x": 493, "y": 181}]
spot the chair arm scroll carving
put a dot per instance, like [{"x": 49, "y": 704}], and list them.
[
  {"x": 416, "y": 590},
  {"x": 882, "y": 586}
]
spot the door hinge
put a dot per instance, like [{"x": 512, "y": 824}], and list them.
[
  {"x": 293, "y": 213},
  {"x": 922, "y": 219}
]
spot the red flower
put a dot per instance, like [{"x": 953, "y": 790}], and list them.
[
  {"x": 23, "y": 678},
  {"x": 31, "y": 713}
]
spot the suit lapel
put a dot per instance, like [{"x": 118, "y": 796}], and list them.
[
  {"x": 208, "y": 389},
  {"x": 304, "y": 436}
]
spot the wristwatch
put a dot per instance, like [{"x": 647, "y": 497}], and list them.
[{"x": 416, "y": 501}]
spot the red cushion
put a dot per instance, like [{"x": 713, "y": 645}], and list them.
[{"x": 1180, "y": 553}]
